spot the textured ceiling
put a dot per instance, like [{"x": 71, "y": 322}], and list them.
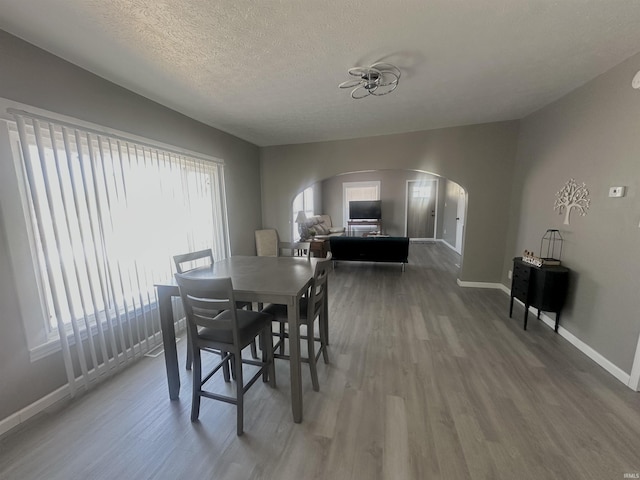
[{"x": 267, "y": 71}]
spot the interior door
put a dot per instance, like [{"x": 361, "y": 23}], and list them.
[
  {"x": 462, "y": 204},
  {"x": 421, "y": 208}
]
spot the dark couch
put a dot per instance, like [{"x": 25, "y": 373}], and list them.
[{"x": 370, "y": 249}]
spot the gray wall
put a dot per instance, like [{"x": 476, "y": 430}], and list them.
[
  {"x": 592, "y": 135},
  {"x": 478, "y": 157},
  {"x": 35, "y": 77},
  {"x": 393, "y": 191}
]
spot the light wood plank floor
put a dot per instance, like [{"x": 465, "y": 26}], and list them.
[{"x": 427, "y": 381}]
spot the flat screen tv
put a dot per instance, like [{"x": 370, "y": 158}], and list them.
[{"x": 365, "y": 210}]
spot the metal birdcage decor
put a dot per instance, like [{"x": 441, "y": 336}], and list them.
[{"x": 551, "y": 247}]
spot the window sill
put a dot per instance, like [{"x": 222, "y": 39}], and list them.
[
  {"x": 53, "y": 345},
  {"x": 42, "y": 351}
]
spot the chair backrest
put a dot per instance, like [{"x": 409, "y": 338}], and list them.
[
  {"x": 318, "y": 289},
  {"x": 294, "y": 249},
  {"x": 189, "y": 261},
  {"x": 204, "y": 299},
  {"x": 267, "y": 243}
]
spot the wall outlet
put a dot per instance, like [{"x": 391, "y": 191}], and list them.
[
  {"x": 509, "y": 274},
  {"x": 617, "y": 192}
]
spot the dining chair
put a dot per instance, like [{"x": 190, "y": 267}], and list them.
[
  {"x": 203, "y": 258},
  {"x": 192, "y": 260},
  {"x": 267, "y": 242},
  {"x": 216, "y": 325},
  {"x": 311, "y": 307},
  {"x": 294, "y": 249}
]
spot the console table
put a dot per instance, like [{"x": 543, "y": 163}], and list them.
[
  {"x": 356, "y": 223},
  {"x": 544, "y": 288}
]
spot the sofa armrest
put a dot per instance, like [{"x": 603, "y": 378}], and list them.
[{"x": 336, "y": 230}]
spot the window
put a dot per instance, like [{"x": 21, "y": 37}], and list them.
[
  {"x": 353, "y": 191},
  {"x": 102, "y": 216},
  {"x": 421, "y": 190},
  {"x": 302, "y": 203}
]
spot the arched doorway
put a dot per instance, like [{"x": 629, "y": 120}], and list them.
[{"x": 446, "y": 207}]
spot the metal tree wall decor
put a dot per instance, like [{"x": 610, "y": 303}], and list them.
[{"x": 572, "y": 196}]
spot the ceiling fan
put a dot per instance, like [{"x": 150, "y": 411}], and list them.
[{"x": 377, "y": 79}]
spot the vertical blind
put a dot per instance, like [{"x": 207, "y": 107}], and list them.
[{"x": 108, "y": 215}]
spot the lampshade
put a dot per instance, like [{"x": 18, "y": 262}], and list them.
[{"x": 301, "y": 217}]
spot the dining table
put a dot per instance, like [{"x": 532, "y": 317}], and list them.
[{"x": 279, "y": 280}]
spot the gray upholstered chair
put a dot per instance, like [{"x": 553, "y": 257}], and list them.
[
  {"x": 204, "y": 258},
  {"x": 311, "y": 307},
  {"x": 215, "y": 325},
  {"x": 267, "y": 243}
]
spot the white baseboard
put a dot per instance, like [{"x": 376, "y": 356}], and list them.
[
  {"x": 614, "y": 370},
  {"x": 36, "y": 407},
  {"x": 441, "y": 240},
  {"x": 464, "y": 284},
  {"x": 63, "y": 393}
]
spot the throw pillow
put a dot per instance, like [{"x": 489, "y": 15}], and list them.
[{"x": 321, "y": 229}]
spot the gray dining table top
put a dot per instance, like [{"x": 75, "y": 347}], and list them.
[{"x": 252, "y": 275}]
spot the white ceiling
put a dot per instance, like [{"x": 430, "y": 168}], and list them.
[{"x": 267, "y": 71}]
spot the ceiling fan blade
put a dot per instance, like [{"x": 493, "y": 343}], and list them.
[
  {"x": 350, "y": 84},
  {"x": 358, "y": 71},
  {"x": 388, "y": 78},
  {"x": 387, "y": 68},
  {"x": 361, "y": 93},
  {"x": 384, "y": 89}
]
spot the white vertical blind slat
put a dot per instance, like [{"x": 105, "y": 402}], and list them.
[
  {"x": 76, "y": 247},
  {"x": 113, "y": 281},
  {"x": 107, "y": 360},
  {"x": 56, "y": 222},
  {"x": 102, "y": 271},
  {"x": 35, "y": 203}
]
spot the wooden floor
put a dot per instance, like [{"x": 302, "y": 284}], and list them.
[{"x": 427, "y": 381}]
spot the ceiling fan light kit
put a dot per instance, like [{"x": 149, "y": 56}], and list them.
[{"x": 377, "y": 79}]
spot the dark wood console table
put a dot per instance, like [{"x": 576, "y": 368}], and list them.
[{"x": 544, "y": 288}]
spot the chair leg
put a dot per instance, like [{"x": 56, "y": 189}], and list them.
[
  {"x": 282, "y": 338},
  {"x": 233, "y": 367},
  {"x": 196, "y": 385},
  {"x": 265, "y": 357},
  {"x": 254, "y": 351},
  {"x": 189, "y": 350},
  {"x": 323, "y": 341},
  {"x": 225, "y": 368},
  {"x": 239, "y": 392},
  {"x": 311, "y": 350},
  {"x": 269, "y": 372}
]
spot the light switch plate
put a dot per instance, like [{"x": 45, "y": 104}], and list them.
[{"x": 617, "y": 191}]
